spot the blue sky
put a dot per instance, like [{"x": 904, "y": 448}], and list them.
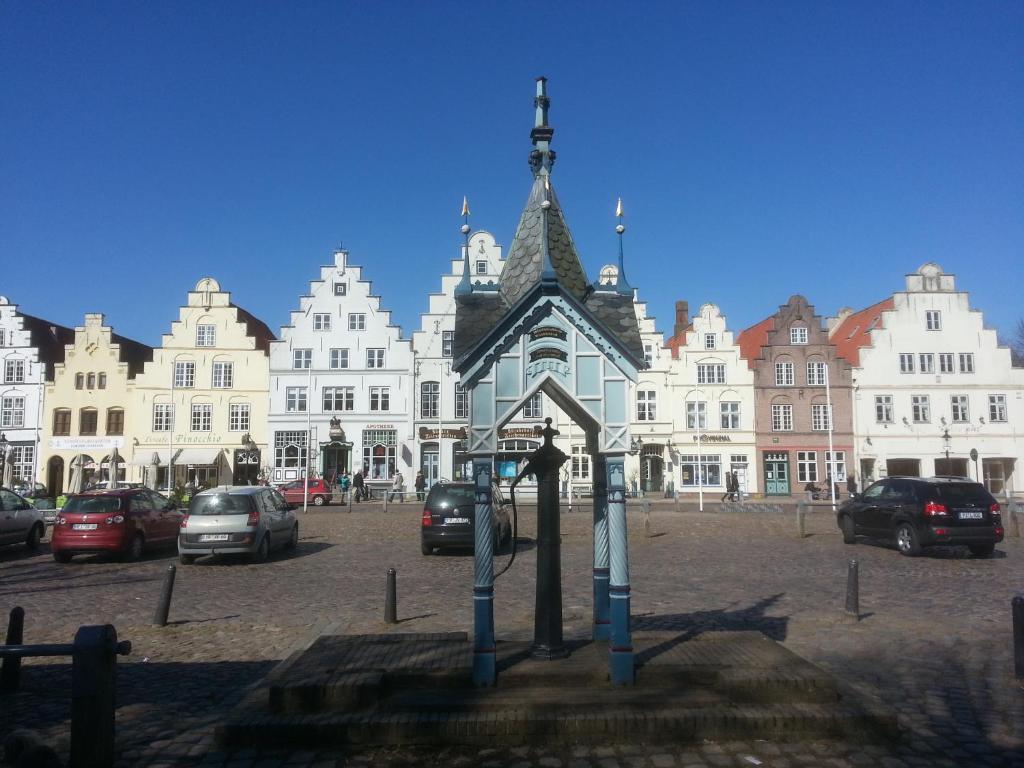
[{"x": 761, "y": 149}]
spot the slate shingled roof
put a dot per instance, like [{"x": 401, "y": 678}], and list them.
[{"x": 530, "y": 249}]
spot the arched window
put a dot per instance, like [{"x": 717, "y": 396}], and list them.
[
  {"x": 87, "y": 418},
  {"x": 91, "y": 379},
  {"x": 430, "y": 399},
  {"x": 79, "y": 380},
  {"x": 115, "y": 421}
]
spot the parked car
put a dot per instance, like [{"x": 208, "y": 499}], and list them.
[
  {"x": 20, "y": 522},
  {"x": 123, "y": 521},
  {"x": 320, "y": 492},
  {"x": 449, "y": 514},
  {"x": 32, "y": 491},
  {"x": 237, "y": 519},
  {"x": 919, "y": 512}
]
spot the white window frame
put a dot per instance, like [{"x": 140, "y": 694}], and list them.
[
  {"x": 997, "y": 408},
  {"x": 461, "y": 402},
  {"x": 926, "y": 362},
  {"x": 534, "y": 407},
  {"x": 223, "y": 375},
  {"x": 729, "y": 412},
  {"x": 799, "y": 334},
  {"x": 883, "y": 409},
  {"x": 335, "y": 396},
  {"x": 921, "y": 409},
  {"x": 12, "y": 411},
  {"x": 947, "y": 362},
  {"x": 239, "y": 416},
  {"x": 447, "y": 343},
  {"x": 933, "y": 320},
  {"x": 206, "y": 335},
  {"x": 807, "y": 466},
  {"x": 816, "y": 373},
  {"x": 430, "y": 399},
  {"x": 357, "y": 321},
  {"x": 646, "y": 405},
  {"x": 820, "y": 417},
  {"x": 321, "y": 321},
  {"x": 784, "y": 374},
  {"x": 580, "y": 464},
  {"x": 375, "y": 358},
  {"x": 380, "y": 399},
  {"x": 202, "y": 417},
  {"x": 959, "y": 409},
  {"x": 163, "y": 417},
  {"x": 481, "y": 266},
  {"x": 302, "y": 359},
  {"x": 840, "y": 464},
  {"x": 296, "y": 399},
  {"x": 907, "y": 362},
  {"x": 697, "y": 415},
  {"x": 711, "y": 373},
  {"x": 966, "y": 362},
  {"x": 710, "y": 341},
  {"x": 14, "y": 371},
  {"x": 184, "y": 374},
  {"x": 782, "y": 417},
  {"x": 339, "y": 358}
]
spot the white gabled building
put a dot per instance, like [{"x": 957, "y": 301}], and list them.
[
  {"x": 29, "y": 348},
  {"x": 931, "y": 386},
  {"x": 712, "y": 399},
  {"x": 340, "y": 380},
  {"x": 441, "y": 412}
]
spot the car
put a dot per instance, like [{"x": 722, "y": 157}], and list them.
[
  {"x": 916, "y": 512},
  {"x": 104, "y": 485},
  {"x": 32, "y": 491},
  {"x": 237, "y": 519},
  {"x": 448, "y": 518},
  {"x": 20, "y": 522},
  {"x": 320, "y": 492},
  {"x": 122, "y": 521}
]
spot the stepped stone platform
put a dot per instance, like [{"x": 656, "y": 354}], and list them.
[{"x": 391, "y": 689}]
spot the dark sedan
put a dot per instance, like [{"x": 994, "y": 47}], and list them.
[
  {"x": 915, "y": 512},
  {"x": 449, "y": 514}
]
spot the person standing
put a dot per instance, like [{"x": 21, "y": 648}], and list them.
[
  {"x": 421, "y": 485},
  {"x": 343, "y": 484},
  {"x": 359, "y": 486},
  {"x": 851, "y": 485},
  {"x": 397, "y": 487}
]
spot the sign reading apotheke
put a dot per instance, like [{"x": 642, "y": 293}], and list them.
[
  {"x": 85, "y": 443},
  {"x": 185, "y": 439}
]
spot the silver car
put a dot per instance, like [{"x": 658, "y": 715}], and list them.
[
  {"x": 237, "y": 519},
  {"x": 20, "y": 522}
]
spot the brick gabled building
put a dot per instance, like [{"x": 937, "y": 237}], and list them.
[{"x": 792, "y": 359}]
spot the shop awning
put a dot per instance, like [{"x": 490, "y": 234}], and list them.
[
  {"x": 143, "y": 457},
  {"x": 198, "y": 456}
]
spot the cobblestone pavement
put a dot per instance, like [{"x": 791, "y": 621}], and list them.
[{"x": 935, "y": 641}]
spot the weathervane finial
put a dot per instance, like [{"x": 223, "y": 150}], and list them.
[
  {"x": 622, "y": 284},
  {"x": 542, "y": 157},
  {"x": 465, "y": 284}
]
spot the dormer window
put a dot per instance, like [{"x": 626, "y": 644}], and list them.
[
  {"x": 798, "y": 335},
  {"x": 206, "y": 335},
  {"x": 709, "y": 341}
]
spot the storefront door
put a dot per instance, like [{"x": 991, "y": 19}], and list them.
[
  {"x": 430, "y": 465},
  {"x": 776, "y": 474},
  {"x": 335, "y": 460},
  {"x": 651, "y": 475},
  {"x": 247, "y": 467}
]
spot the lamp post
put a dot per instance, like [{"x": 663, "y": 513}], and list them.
[
  {"x": 4, "y": 445},
  {"x": 636, "y": 447}
]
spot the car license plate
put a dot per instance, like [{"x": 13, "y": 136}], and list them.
[
  {"x": 83, "y": 527},
  {"x": 971, "y": 515},
  {"x": 456, "y": 520},
  {"x": 214, "y": 537}
]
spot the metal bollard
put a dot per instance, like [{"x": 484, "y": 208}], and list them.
[
  {"x": 93, "y": 684},
  {"x": 853, "y": 590},
  {"x": 163, "y": 607},
  {"x": 1017, "y": 607},
  {"x": 10, "y": 672},
  {"x": 391, "y": 598},
  {"x": 801, "y": 515},
  {"x": 646, "y": 505}
]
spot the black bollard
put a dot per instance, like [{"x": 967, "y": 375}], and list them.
[
  {"x": 852, "y": 591},
  {"x": 391, "y": 598},
  {"x": 164, "y": 606},
  {"x": 1017, "y": 606},
  {"x": 10, "y": 672}
]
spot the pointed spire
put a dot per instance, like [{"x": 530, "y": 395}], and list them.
[
  {"x": 465, "y": 284},
  {"x": 542, "y": 157},
  {"x": 622, "y": 284}
]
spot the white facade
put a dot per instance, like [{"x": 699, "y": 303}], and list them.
[
  {"x": 711, "y": 395},
  {"x": 441, "y": 410},
  {"x": 341, "y": 359},
  {"x": 23, "y": 372},
  {"x": 932, "y": 379}
]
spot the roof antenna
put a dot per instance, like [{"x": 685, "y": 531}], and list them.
[
  {"x": 622, "y": 284},
  {"x": 465, "y": 285}
]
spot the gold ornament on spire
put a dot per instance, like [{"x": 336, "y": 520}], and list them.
[
  {"x": 465, "y": 206},
  {"x": 618, "y": 208}
]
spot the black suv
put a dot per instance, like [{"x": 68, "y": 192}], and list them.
[
  {"x": 449, "y": 514},
  {"x": 920, "y": 512}
]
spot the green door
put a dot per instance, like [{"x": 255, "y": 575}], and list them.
[{"x": 776, "y": 474}]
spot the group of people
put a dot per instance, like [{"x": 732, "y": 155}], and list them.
[
  {"x": 732, "y": 487},
  {"x": 357, "y": 484}
]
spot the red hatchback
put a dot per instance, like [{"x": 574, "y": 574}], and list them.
[
  {"x": 123, "y": 521},
  {"x": 319, "y": 491}
]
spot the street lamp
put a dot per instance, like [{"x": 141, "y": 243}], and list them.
[{"x": 4, "y": 445}]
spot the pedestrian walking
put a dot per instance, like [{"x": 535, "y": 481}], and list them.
[
  {"x": 851, "y": 485},
  {"x": 397, "y": 488},
  {"x": 420, "y": 483},
  {"x": 734, "y": 486},
  {"x": 728, "y": 487},
  {"x": 343, "y": 483},
  {"x": 359, "y": 486}
]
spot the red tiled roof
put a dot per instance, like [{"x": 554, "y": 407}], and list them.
[
  {"x": 677, "y": 341},
  {"x": 854, "y": 332},
  {"x": 753, "y": 338}
]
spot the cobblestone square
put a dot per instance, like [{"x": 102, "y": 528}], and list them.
[{"x": 934, "y": 642}]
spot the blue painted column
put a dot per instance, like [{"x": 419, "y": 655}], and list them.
[
  {"x": 484, "y": 661},
  {"x": 602, "y": 622},
  {"x": 621, "y": 641}
]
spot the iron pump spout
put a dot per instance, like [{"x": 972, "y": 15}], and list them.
[{"x": 544, "y": 464}]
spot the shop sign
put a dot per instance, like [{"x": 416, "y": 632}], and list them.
[
  {"x": 547, "y": 332},
  {"x": 85, "y": 443},
  {"x": 379, "y": 426},
  {"x": 504, "y": 434},
  {"x": 182, "y": 439},
  {"x": 714, "y": 438},
  {"x": 447, "y": 434}
]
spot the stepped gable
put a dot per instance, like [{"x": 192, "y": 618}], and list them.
[
  {"x": 49, "y": 338},
  {"x": 752, "y": 339},
  {"x": 256, "y": 328}
]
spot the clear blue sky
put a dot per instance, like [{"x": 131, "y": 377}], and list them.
[{"x": 761, "y": 149}]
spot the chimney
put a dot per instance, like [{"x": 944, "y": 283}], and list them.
[{"x": 682, "y": 317}]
